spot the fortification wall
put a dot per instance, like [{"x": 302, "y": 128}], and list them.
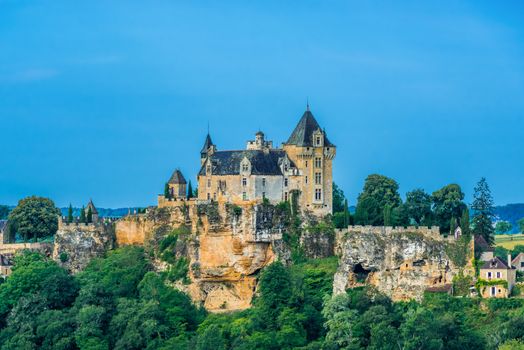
[{"x": 12, "y": 248}]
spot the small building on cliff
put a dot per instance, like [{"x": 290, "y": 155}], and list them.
[{"x": 497, "y": 278}]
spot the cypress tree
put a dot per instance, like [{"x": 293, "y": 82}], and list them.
[
  {"x": 483, "y": 211},
  {"x": 89, "y": 215},
  {"x": 452, "y": 225},
  {"x": 464, "y": 223},
  {"x": 70, "y": 214},
  {"x": 83, "y": 215},
  {"x": 189, "y": 190},
  {"x": 167, "y": 192},
  {"x": 346, "y": 213}
]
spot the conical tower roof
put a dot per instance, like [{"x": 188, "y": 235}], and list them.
[
  {"x": 177, "y": 178},
  {"x": 303, "y": 133},
  {"x": 207, "y": 143}
]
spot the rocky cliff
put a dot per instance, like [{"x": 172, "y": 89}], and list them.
[
  {"x": 225, "y": 248},
  {"x": 76, "y": 244},
  {"x": 401, "y": 263}
]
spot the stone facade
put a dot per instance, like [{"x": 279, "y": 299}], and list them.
[
  {"x": 494, "y": 271},
  {"x": 302, "y": 168}
]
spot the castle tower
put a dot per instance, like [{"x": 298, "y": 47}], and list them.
[
  {"x": 94, "y": 212},
  {"x": 177, "y": 185},
  {"x": 312, "y": 152},
  {"x": 208, "y": 149}
]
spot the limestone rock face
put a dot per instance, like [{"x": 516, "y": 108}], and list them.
[
  {"x": 399, "y": 263},
  {"x": 75, "y": 245},
  {"x": 226, "y": 248}
]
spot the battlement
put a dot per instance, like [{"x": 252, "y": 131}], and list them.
[{"x": 430, "y": 232}]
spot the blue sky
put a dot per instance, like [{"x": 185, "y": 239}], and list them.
[{"x": 104, "y": 99}]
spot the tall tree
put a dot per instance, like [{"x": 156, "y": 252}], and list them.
[
  {"x": 465, "y": 223},
  {"x": 167, "y": 192},
  {"x": 189, "y": 190},
  {"x": 82, "y": 218},
  {"x": 483, "y": 212},
  {"x": 35, "y": 217},
  {"x": 338, "y": 199},
  {"x": 418, "y": 206},
  {"x": 70, "y": 214},
  {"x": 89, "y": 216},
  {"x": 388, "y": 218},
  {"x": 378, "y": 192},
  {"x": 448, "y": 203}
]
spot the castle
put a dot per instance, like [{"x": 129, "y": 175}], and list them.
[{"x": 299, "y": 171}]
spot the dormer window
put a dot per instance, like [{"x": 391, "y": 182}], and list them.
[
  {"x": 245, "y": 167},
  {"x": 318, "y": 141}
]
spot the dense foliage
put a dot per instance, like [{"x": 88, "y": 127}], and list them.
[
  {"x": 118, "y": 303},
  {"x": 34, "y": 217}
]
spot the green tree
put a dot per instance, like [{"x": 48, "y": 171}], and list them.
[
  {"x": 35, "y": 217},
  {"x": 520, "y": 222},
  {"x": 4, "y": 212},
  {"x": 83, "y": 218},
  {"x": 448, "y": 203},
  {"x": 503, "y": 227},
  {"x": 338, "y": 199},
  {"x": 189, "y": 190},
  {"x": 275, "y": 292},
  {"x": 465, "y": 223},
  {"x": 70, "y": 214},
  {"x": 378, "y": 192},
  {"x": 388, "y": 216},
  {"x": 89, "y": 216},
  {"x": 167, "y": 191},
  {"x": 483, "y": 213},
  {"x": 418, "y": 206}
]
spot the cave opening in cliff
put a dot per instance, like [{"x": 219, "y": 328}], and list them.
[{"x": 360, "y": 273}]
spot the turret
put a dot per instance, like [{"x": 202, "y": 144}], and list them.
[{"x": 208, "y": 149}]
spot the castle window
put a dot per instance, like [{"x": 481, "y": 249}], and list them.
[
  {"x": 208, "y": 169},
  {"x": 318, "y": 178},
  {"x": 318, "y": 194},
  {"x": 285, "y": 182},
  {"x": 208, "y": 196},
  {"x": 306, "y": 179},
  {"x": 264, "y": 195},
  {"x": 318, "y": 140},
  {"x": 245, "y": 167},
  {"x": 285, "y": 196},
  {"x": 244, "y": 196},
  {"x": 318, "y": 162},
  {"x": 285, "y": 167},
  {"x": 488, "y": 274},
  {"x": 498, "y": 274},
  {"x": 306, "y": 163},
  {"x": 263, "y": 182},
  {"x": 244, "y": 182},
  {"x": 214, "y": 196},
  {"x": 208, "y": 182}
]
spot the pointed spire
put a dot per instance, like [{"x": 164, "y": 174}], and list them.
[
  {"x": 207, "y": 143},
  {"x": 307, "y": 104}
]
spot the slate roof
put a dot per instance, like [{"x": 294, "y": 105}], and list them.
[
  {"x": 481, "y": 243},
  {"x": 207, "y": 144},
  {"x": 177, "y": 178},
  {"x": 262, "y": 162},
  {"x": 93, "y": 208},
  {"x": 495, "y": 264},
  {"x": 303, "y": 133}
]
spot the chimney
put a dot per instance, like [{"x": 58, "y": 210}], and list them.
[{"x": 509, "y": 261}]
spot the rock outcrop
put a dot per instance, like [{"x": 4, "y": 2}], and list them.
[
  {"x": 225, "y": 249},
  {"x": 76, "y": 244},
  {"x": 401, "y": 263}
]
